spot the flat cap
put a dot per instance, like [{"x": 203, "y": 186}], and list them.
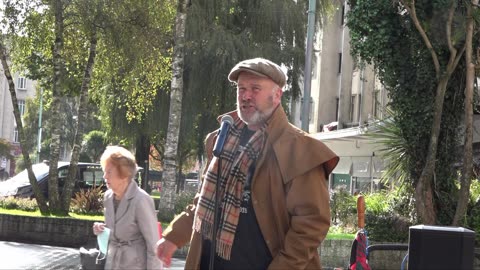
[{"x": 260, "y": 67}]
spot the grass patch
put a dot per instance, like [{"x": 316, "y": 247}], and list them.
[
  {"x": 37, "y": 213},
  {"x": 155, "y": 194},
  {"x": 340, "y": 236}
]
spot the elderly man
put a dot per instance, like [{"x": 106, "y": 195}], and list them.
[{"x": 274, "y": 201}]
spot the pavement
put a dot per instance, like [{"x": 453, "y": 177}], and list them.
[{"x": 16, "y": 255}]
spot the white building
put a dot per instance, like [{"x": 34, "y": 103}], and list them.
[
  {"x": 345, "y": 97},
  {"x": 25, "y": 89}
]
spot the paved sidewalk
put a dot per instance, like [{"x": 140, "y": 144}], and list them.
[{"x": 30, "y": 256}]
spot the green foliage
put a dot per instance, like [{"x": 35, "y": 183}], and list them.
[
  {"x": 343, "y": 208},
  {"x": 384, "y": 218},
  {"x": 25, "y": 204},
  {"x": 383, "y": 34},
  {"x": 94, "y": 143},
  {"x": 88, "y": 201},
  {"x": 5, "y": 148},
  {"x": 182, "y": 200},
  {"x": 376, "y": 203},
  {"x": 387, "y": 227}
]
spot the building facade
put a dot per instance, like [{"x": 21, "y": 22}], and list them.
[
  {"x": 345, "y": 98},
  {"x": 25, "y": 89}
]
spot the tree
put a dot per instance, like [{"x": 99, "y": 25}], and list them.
[
  {"x": 466, "y": 177},
  {"x": 94, "y": 143},
  {"x": 57, "y": 67},
  {"x": 16, "y": 112},
  {"x": 403, "y": 40},
  {"x": 171, "y": 145}
]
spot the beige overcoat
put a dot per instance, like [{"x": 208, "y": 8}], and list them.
[
  {"x": 289, "y": 194},
  {"x": 133, "y": 230}
]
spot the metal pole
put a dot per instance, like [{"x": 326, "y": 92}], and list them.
[
  {"x": 308, "y": 66},
  {"x": 39, "y": 137}
]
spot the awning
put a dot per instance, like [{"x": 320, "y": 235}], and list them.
[
  {"x": 361, "y": 166},
  {"x": 344, "y": 166}
]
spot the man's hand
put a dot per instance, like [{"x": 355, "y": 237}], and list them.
[{"x": 165, "y": 250}]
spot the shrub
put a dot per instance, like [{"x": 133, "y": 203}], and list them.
[
  {"x": 343, "y": 208},
  {"x": 387, "y": 227},
  {"x": 25, "y": 204},
  {"x": 182, "y": 199},
  {"x": 88, "y": 201},
  {"x": 8, "y": 202}
]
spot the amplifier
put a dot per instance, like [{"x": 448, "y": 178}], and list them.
[{"x": 439, "y": 247}]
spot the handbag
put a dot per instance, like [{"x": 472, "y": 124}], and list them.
[{"x": 92, "y": 259}]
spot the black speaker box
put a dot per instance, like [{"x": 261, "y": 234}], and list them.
[{"x": 438, "y": 247}]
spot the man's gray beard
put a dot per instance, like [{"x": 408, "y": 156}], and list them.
[{"x": 258, "y": 118}]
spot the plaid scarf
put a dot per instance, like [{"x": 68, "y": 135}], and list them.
[{"x": 235, "y": 163}]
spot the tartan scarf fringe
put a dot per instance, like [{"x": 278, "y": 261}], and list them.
[{"x": 233, "y": 175}]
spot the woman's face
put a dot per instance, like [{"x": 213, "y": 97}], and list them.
[{"x": 112, "y": 177}]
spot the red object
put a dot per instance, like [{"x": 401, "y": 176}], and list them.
[{"x": 358, "y": 255}]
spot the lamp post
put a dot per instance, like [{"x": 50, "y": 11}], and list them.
[{"x": 308, "y": 66}]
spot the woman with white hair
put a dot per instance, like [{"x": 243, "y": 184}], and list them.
[{"x": 129, "y": 214}]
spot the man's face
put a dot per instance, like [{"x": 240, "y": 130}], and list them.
[{"x": 257, "y": 98}]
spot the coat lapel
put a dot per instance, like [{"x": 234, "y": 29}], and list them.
[{"x": 126, "y": 201}]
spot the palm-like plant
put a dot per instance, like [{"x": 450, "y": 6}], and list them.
[{"x": 394, "y": 151}]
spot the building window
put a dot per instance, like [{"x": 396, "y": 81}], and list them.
[
  {"x": 15, "y": 135},
  {"x": 376, "y": 104},
  {"x": 352, "y": 108},
  {"x": 342, "y": 16},
  {"x": 22, "y": 83},
  {"x": 359, "y": 108},
  {"x": 339, "y": 63},
  {"x": 21, "y": 107}
]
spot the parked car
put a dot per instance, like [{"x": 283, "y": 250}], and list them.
[{"x": 88, "y": 175}]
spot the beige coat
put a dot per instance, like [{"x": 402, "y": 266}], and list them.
[
  {"x": 134, "y": 230},
  {"x": 289, "y": 194}
]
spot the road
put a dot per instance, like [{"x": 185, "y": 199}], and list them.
[{"x": 29, "y": 256}]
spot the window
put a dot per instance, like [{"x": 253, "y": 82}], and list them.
[
  {"x": 339, "y": 63},
  {"x": 359, "y": 108},
  {"x": 352, "y": 108},
  {"x": 377, "y": 104},
  {"x": 22, "y": 83},
  {"x": 21, "y": 106},
  {"x": 342, "y": 16},
  {"x": 15, "y": 135}
]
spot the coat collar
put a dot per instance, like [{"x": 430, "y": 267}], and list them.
[
  {"x": 132, "y": 189},
  {"x": 292, "y": 145}
]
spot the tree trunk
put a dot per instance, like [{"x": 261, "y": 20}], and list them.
[
  {"x": 55, "y": 118},
  {"x": 175, "y": 113},
  {"x": 424, "y": 192},
  {"x": 466, "y": 178},
  {"x": 41, "y": 202},
  {"x": 80, "y": 126}
]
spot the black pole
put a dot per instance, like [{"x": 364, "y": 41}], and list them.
[{"x": 213, "y": 243}]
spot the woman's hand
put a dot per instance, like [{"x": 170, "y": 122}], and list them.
[{"x": 98, "y": 227}]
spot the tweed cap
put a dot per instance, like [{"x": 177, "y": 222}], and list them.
[{"x": 261, "y": 67}]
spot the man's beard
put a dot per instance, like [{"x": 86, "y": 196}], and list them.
[{"x": 258, "y": 117}]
